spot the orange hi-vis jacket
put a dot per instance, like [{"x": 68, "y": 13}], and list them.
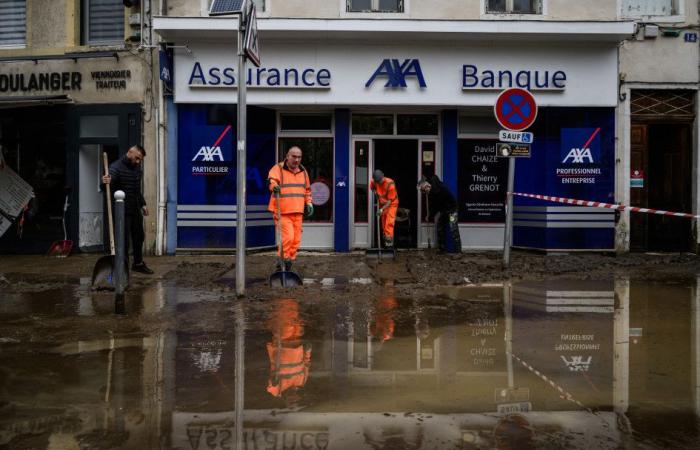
[
  {"x": 295, "y": 189},
  {"x": 290, "y": 359},
  {"x": 386, "y": 190}
]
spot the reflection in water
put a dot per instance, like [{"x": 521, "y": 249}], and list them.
[
  {"x": 536, "y": 365},
  {"x": 290, "y": 356}
]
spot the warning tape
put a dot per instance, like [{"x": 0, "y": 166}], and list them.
[
  {"x": 572, "y": 201},
  {"x": 563, "y": 394}
]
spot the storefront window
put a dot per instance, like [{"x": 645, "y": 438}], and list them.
[
  {"x": 482, "y": 180},
  {"x": 306, "y": 122},
  {"x": 420, "y": 124},
  {"x": 317, "y": 158},
  {"x": 372, "y": 124},
  {"x": 361, "y": 177}
]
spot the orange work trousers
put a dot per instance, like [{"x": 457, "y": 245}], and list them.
[
  {"x": 291, "y": 234},
  {"x": 388, "y": 220}
]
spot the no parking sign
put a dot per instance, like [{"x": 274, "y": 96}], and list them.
[{"x": 515, "y": 109}]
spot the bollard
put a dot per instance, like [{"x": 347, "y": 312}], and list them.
[{"x": 120, "y": 247}]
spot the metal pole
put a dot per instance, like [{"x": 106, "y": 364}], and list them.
[
  {"x": 120, "y": 249},
  {"x": 241, "y": 162},
  {"x": 508, "y": 232}
]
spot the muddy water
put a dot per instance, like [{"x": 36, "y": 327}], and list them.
[{"x": 554, "y": 364}]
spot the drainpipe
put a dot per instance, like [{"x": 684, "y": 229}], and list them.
[{"x": 161, "y": 175}]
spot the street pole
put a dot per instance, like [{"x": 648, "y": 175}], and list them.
[
  {"x": 508, "y": 232},
  {"x": 120, "y": 255},
  {"x": 241, "y": 161}
]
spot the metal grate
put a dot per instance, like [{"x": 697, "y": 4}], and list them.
[
  {"x": 221, "y": 7},
  {"x": 665, "y": 103}
]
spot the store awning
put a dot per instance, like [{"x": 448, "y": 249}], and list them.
[
  {"x": 184, "y": 29},
  {"x": 39, "y": 100}
]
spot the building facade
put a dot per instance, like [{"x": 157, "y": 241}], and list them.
[
  {"x": 401, "y": 85},
  {"x": 75, "y": 81}
]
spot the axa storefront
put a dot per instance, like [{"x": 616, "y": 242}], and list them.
[{"x": 410, "y": 98}]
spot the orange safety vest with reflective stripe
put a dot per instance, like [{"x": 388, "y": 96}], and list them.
[
  {"x": 295, "y": 189},
  {"x": 386, "y": 191},
  {"x": 288, "y": 369}
]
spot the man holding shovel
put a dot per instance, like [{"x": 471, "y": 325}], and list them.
[
  {"x": 289, "y": 184},
  {"x": 125, "y": 174},
  {"x": 444, "y": 206},
  {"x": 384, "y": 189}
]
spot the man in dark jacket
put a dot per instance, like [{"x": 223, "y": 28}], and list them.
[
  {"x": 442, "y": 203},
  {"x": 125, "y": 175}
]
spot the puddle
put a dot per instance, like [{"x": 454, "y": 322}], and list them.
[{"x": 555, "y": 364}]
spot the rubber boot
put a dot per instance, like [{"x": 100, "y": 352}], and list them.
[
  {"x": 287, "y": 265},
  {"x": 389, "y": 242}
]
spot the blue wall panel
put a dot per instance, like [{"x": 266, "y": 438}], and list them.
[{"x": 342, "y": 176}]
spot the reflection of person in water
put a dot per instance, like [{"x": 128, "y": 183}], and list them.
[
  {"x": 513, "y": 432},
  {"x": 383, "y": 326},
  {"x": 290, "y": 357}
]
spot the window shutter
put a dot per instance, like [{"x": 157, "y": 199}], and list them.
[
  {"x": 105, "y": 21},
  {"x": 13, "y": 22}
]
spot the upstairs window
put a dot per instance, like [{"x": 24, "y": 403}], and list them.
[
  {"x": 13, "y": 23},
  {"x": 103, "y": 22},
  {"x": 514, "y": 6},
  {"x": 380, "y": 6},
  {"x": 650, "y": 8}
]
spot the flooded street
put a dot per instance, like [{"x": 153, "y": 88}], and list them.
[{"x": 352, "y": 363}]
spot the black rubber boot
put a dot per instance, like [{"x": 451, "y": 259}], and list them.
[{"x": 287, "y": 265}]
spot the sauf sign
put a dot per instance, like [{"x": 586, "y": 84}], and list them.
[{"x": 396, "y": 72}]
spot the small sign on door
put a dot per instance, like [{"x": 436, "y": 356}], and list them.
[{"x": 637, "y": 179}]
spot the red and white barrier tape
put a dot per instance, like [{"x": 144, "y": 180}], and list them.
[{"x": 572, "y": 201}]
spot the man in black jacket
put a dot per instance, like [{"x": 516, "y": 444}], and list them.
[
  {"x": 125, "y": 174},
  {"x": 443, "y": 204}
]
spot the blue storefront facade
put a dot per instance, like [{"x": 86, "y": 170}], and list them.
[{"x": 409, "y": 109}]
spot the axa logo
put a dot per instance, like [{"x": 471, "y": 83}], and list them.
[
  {"x": 209, "y": 154},
  {"x": 579, "y": 156},
  {"x": 396, "y": 72}
]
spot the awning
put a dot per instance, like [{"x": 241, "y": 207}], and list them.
[
  {"x": 184, "y": 29},
  {"x": 39, "y": 100}
]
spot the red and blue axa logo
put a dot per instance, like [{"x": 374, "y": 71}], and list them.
[
  {"x": 580, "y": 145},
  {"x": 209, "y": 154},
  {"x": 212, "y": 153},
  {"x": 396, "y": 73}
]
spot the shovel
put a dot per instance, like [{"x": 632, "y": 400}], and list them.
[
  {"x": 282, "y": 277},
  {"x": 379, "y": 252},
  {"x": 61, "y": 249},
  {"x": 104, "y": 267}
]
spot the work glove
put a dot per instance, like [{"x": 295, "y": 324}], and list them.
[
  {"x": 380, "y": 211},
  {"x": 308, "y": 210},
  {"x": 276, "y": 189}
]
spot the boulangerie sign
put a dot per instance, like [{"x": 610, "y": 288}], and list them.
[{"x": 15, "y": 193}]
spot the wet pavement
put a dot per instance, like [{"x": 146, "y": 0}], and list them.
[{"x": 351, "y": 362}]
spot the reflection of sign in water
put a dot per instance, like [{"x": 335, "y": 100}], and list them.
[
  {"x": 320, "y": 193},
  {"x": 577, "y": 363}
]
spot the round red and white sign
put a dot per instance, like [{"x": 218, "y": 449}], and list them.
[{"x": 515, "y": 109}]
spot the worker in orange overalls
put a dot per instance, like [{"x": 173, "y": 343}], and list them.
[
  {"x": 290, "y": 357},
  {"x": 291, "y": 181},
  {"x": 387, "y": 196}
]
